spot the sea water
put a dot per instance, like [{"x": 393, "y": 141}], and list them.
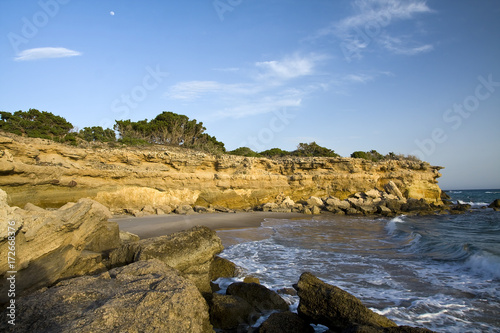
[{"x": 438, "y": 272}]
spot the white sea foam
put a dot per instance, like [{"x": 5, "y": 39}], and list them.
[
  {"x": 435, "y": 312},
  {"x": 391, "y": 226},
  {"x": 398, "y": 275},
  {"x": 485, "y": 264},
  {"x": 472, "y": 203}
]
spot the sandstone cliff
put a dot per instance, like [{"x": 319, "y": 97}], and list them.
[{"x": 49, "y": 174}]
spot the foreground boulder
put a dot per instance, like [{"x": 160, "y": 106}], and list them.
[
  {"x": 191, "y": 252},
  {"x": 52, "y": 245},
  {"x": 228, "y": 312},
  {"x": 328, "y": 305},
  {"x": 285, "y": 322},
  {"x": 242, "y": 305},
  {"x": 146, "y": 296},
  {"x": 222, "y": 267},
  {"x": 258, "y": 296}
]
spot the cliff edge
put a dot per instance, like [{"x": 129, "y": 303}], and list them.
[{"x": 50, "y": 174}]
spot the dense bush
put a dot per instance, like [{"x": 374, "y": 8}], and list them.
[
  {"x": 275, "y": 152},
  {"x": 371, "y": 155},
  {"x": 313, "y": 149},
  {"x": 244, "y": 151},
  {"x": 35, "y": 124},
  {"x": 168, "y": 128},
  {"x": 375, "y": 156},
  {"x": 97, "y": 134},
  {"x": 303, "y": 149}
]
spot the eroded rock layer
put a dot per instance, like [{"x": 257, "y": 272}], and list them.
[{"x": 49, "y": 174}]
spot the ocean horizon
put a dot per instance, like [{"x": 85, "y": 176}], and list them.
[{"x": 441, "y": 272}]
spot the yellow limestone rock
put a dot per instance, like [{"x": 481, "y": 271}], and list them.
[{"x": 49, "y": 174}]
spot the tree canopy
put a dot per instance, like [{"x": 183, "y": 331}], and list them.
[
  {"x": 168, "y": 128},
  {"x": 97, "y": 134},
  {"x": 375, "y": 156},
  {"x": 313, "y": 149},
  {"x": 244, "y": 151},
  {"x": 303, "y": 149},
  {"x": 36, "y": 124},
  {"x": 371, "y": 155}
]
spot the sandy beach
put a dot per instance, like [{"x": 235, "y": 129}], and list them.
[{"x": 159, "y": 225}]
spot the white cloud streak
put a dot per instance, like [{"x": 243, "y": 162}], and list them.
[
  {"x": 369, "y": 25},
  {"x": 397, "y": 46},
  {"x": 45, "y": 53},
  {"x": 265, "y": 91},
  {"x": 382, "y": 12}
]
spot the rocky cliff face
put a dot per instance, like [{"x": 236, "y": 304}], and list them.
[{"x": 49, "y": 174}]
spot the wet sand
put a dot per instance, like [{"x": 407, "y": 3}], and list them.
[{"x": 159, "y": 225}]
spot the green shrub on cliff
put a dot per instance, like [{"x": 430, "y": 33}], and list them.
[
  {"x": 371, "y": 155},
  {"x": 375, "y": 156},
  {"x": 36, "y": 124},
  {"x": 275, "y": 152},
  {"x": 313, "y": 149},
  {"x": 244, "y": 151},
  {"x": 97, "y": 134},
  {"x": 168, "y": 128},
  {"x": 303, "y": 149}
]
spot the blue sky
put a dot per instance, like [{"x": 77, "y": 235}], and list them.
[{"x": 413, "y": 77}]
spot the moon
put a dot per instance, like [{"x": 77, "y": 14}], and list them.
[{"x": 112, "y": 13}]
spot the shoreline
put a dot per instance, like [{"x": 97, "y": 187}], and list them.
[{"x": 160, "y": 225}]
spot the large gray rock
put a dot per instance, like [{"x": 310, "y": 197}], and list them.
[
  {"x": 315, "y": 201},
  {"x": 416, "y": 206},
  {"x": 184, "y": 210},
  {"x": 146, "y": 296},
  {"x": 191, "y": 252},
  {"x": 328, "y": 305},
  {"x": 258, "y": 296},
  {"x": 365, "y": 206},
  {"x": 285, "y": 322},
  {"x": 227, "y": 312},
  {"x": 51, "y": 245},
  {"x": 221, "y": 267},
  {"x": 337, "y": 203},
  {"x": 393, "y": 189}
]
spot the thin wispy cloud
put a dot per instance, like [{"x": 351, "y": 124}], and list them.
[
  {"x": 369, "y": 24},
  {"x": 261, "y": 105},
  {"x": 398, "y": 46},
  {"x": 45, "y": 53},
  {"x": 227, "y": 69},
  {"x": 358, "y": 78},
  {"x": 189, "y": 90},
  {"x": 287, "y": 68},
  {"x": 382, "y": 12},
  {"x": 266, "y": 90}
]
